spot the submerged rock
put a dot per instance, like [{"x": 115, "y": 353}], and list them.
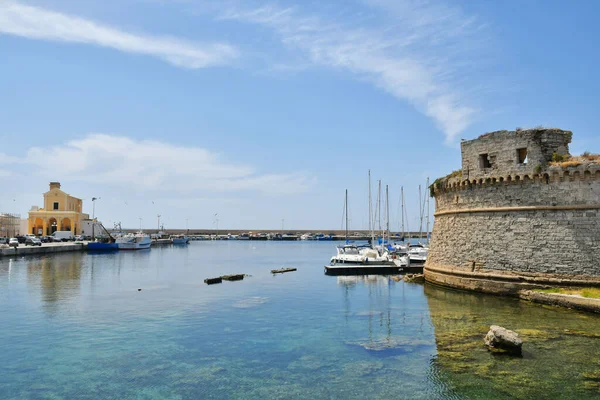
[
  {"x": 414, "y": 278},
  {"x": 389, "y": 343},
  {"x": 251, "y": 302},
  {"x": 499, "y": 338}
]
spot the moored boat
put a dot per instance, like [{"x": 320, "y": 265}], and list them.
[
  {"x": 99, "y": 246},
  {"x": 138, "y": 241},
  {"x": 180, "y": 239},
  {"x": 418, "y": 254}
]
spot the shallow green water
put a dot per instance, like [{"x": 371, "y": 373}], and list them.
[{"x": 75, "y": 326}]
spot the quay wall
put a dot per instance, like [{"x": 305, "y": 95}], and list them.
[
  {"x": 506, "y": 233},
  {"x": 46, "y": 249}
]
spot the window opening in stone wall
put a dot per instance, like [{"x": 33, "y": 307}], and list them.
[
  {"x": 522, "y": 156},
  {"x": 484, "y": 161},
  {"x": 55, "y": 206}
]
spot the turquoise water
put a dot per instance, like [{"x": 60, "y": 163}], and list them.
[{"x": 75, "y": 326}]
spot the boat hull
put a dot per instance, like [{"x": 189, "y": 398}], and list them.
[
  {"x": 349, "y": 269},
  {"x": 95, "y": 246},
  {"x": 138, "y": 241},
  {"x": 134, "y": 246}
]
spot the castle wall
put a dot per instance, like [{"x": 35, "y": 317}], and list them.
[{"x": 548, "y": 225}]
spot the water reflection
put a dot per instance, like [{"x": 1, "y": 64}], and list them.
[{"x": 58, "y": 278}]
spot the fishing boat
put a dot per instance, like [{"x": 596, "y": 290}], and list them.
[
  {"x": 131, "y": 241},
  {"x": 180, "y": 239},
  {"x": 103, "y": 245}
]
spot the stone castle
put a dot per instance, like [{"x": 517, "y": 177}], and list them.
[{"x": 519, "y": 214}]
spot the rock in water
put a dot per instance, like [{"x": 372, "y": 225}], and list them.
[
  {"x": 414, "y": 278},
  {"x": 500, "y": 338}
]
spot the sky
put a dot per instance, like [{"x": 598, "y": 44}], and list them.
[{"x": 259, "y": 114}]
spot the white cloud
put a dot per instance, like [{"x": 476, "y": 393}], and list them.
[
  {"x": 419, "y": 51},
  {"x": 38, "y": 23},
  {"x": 155, "y": 165}
]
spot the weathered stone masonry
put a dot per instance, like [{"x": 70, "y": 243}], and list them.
[{"x": 510, "y": 219}]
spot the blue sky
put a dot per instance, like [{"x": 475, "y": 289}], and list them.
[{"x": 260, "y": 111}]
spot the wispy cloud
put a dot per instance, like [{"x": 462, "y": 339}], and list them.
[
  {"x": 155, "y": 165},
  {"x": 417, "y": 51},
  {"x": 38, "y": 23}
]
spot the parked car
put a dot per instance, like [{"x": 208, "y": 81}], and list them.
[
  {"x": 44, "y": 239},
  {"x": 21, "y": 239},
  {"x": 32, "y": 241},
  {"x": 79, "y": 238},
  {"x": 13, "y": 242},
  {"x": 3, "y": 240}
]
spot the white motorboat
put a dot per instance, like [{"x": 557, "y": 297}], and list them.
[
  {"x": 180, "y": 239},
  {"x": 131, "y": 241},
  {"x": 348, "y": 254},
  {"x": 364, "y": 255},
  {"x": 418, "y": 254}
]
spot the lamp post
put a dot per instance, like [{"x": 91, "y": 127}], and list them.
[
  {"x": 187, "y": 229},
  {"x": 158, "y": 227},
  {"x": 217, "y": 222},
  {"x": 140, "y": 224},
  {"x": 94, "y": 216}
]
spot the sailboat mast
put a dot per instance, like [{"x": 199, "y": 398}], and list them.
[
  {"x": 402, "y": 198},
  {"x": 421, "y": 215},
  {"x": 371, "y": 222},
  {"x": 427, "y": 231},
  {"x": 346, "y": 202},
  {"x": 379, "y": 206},
  {"x": 387, "y": 211}
]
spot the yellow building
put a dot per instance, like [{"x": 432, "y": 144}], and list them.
[{"x": 61, "y": 212}]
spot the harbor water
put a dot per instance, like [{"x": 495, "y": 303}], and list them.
[{"x": 75, "y": 326}]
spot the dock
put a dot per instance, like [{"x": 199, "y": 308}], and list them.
[
  {"x": 161, "y": 242},
  {"x": 359, "y": 269}
]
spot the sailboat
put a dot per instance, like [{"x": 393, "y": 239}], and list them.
[
  {"x": 418, "y": 252},
  {"x": 348, "y": 253},
  {"x": 360, "y": 259}
]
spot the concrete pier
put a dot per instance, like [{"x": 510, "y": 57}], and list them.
[{"x": 45, "y": 248}]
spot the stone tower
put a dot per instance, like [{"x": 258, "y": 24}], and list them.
[{"x": 521, "y": 212}]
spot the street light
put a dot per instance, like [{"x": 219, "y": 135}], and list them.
[
  {"x": 158, "y": 227},
  {"x": 94, "y": 216},
  {"x": 217, "y": 222}
]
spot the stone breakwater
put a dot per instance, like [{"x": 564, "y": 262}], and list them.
[{"x": 504, "y": 225}]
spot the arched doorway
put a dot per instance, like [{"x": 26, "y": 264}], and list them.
[
  {"x": 38, "y": 226},
  {"x": 66, "y": 224},
  {"x": 52, "y": 226}
]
